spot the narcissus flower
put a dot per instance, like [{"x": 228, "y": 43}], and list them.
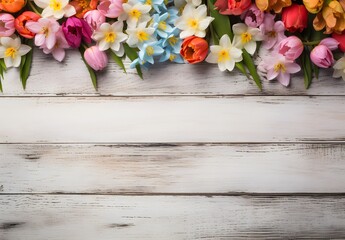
[
  {"x": 11, "y": 50},
  {"x": 194, "y": 49},
  {"x": 339, "y": 68},
  {"x": 55, "y": 8},
  {"x": 225, "y": 54},
  {"x": 12, "y": 6},
  {"x": 275, "y": 5},
  {"x": 193, "y": 21},
  {"x": 232, "y": 7},
  {"x": 140, "y": 34},
  {"x": 135, "y": 12},
  {"x": 246, "y": 37},
  {"x": 22, "y": 19},
  {"x": 110, "y": 36}
]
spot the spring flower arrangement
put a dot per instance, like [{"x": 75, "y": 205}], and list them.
[{"x": 265, "y": 40}]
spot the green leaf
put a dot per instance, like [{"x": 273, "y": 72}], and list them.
[
  {"x": 247, "y": 59},
  {"x": 91, "y": 71},
  {"x": 25, "y": 67},
  {"x": 221, "y": 23},
  {"x": 117, "y": 60},
  {"x": 307, "y": 68},
  {"x": 132, "y": 54},
  {"x": 316, "y": 71},
  {"x": 2, "y": 64},
  {"x": 0, "y": 85},
  {"x": 240, "y": 66}
]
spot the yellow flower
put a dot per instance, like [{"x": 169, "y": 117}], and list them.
[
  {"x": 332, "y": 17},
  {"x": 275, "y": 5},
  {"x": 313, "y": 6}
]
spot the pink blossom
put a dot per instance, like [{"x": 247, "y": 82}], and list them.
[
  {"x": 94, "y": 18},
  {"x": 331, "y": 43},
  {"x": 58, "y": 51},
  {"x": 95, "y": 58},
  {"x": 279, "y": 67},
  {"x": 273, "y": 31},
  {"x": 253, "y": 17},
  {"x": 45, "y": 29},
  {"x": 6, "y": 25},
  {"x": 291, "y": 47},
  {"x": 76, "y": 30},
  {"x": 322, "y": 56},
  {"x": 111, "y": 8}
]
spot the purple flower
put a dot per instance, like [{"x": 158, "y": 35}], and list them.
[
  {"x": 76, "y": 30},
  {"x": 253, "y": 17},
  {"x": 273, "y": 31}
]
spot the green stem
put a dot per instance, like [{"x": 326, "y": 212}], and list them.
[
  {"x": 33, "y": 8},
  {"x": 312, "y": 43}
]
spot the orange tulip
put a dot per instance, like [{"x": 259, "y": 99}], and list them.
[
  {"x": 83, "y": 6},
  {"x": 194, "y": 49},
  {"x": 12, "y": 6},
  {"x": 275, "y": 5},
  {"x": 332, "y": 17},
  {"x": 21, "y": 20}
]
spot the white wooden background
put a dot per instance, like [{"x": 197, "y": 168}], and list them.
[{"x": 187, "y": 153}]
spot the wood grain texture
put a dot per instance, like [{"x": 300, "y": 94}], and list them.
[
  {"x": 71, "y": 78},
  {"x": 168, "y": 217},
  {"x": 172, "y": 119},
  {"x": 164, "y": 169}
]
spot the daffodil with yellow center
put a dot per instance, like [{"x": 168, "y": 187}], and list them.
[
  {"x": 55, "y": 8},
  {"x": 11, "y": 50},
  {"x": 246, "y": 37},
  {"x": 135, "y": 12},
  {"x": 139, "y": 34}
]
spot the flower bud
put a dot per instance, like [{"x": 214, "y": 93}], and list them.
[
  {"x": 194, "y": 49},
  {"x": 7, "y": 23},
  {"x": 95, "y": 58},
  {"x": 291, "y": 47},
  {"x": 322, "y": 56},
  {"x": 94, "y": 18}
]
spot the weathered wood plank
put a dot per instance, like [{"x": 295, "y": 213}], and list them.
[
  {"x": 104, "y": 169},
  {"x": 168, "y": 217},
  {"x": 71, "y": 78},
  {"x": 172, "y": 119}
]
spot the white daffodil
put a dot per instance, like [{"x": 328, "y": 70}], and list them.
[
  {"x": 110, "y": 36},
  {"x": 11, "y": 50},
  {"x": 181, "y": 3},
  {"x": 140, "y": 34},
  {"x": 339, "y": 68},
  {"x": 246, "y": 37},
  {"x": 135, "y": 12},
  {"x": 55, "y": 8},
  {"x": 193, "y": 21},
  {"x": 225, "y": 54}
]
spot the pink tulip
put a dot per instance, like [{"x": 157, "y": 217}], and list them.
[
  {"x": 94, "y": 18},
  {"x": 331, "y": 43},
  {"x": 95, "y": 58},
  {"x": 253, "y": 17},
  {"x": 291, "y": 47},
  {"x": 322, "y": 56},
  {"x": 111, "y": 8},
  {"x": 6, "y": 25},
  {"x": 76, "y": 30}
]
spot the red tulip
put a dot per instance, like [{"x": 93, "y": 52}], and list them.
[
  {"x": 295, "y": 18},
  {"x": 232, "y": 7},
  {"x": 341, "y": 39},
  {"x": 194, "y": 49},
  {"x": 22, "y": 19}
]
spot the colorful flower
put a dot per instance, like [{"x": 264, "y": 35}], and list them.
[
  {"x": 193, "y": 21},
  {"x": 11, "y": 50},
  {"x": 135, "y": 12},
  {"x": 150, "y": 50},
  {"x": 161, "y": 25},
  {"x": 273, "y": 31},
  {"x": 96, "y": 58},
  {"x": 253, "y": 17},
  {"x": 21, "y": 21},
  {"x": 55, "y": 8},
  {"x": 6, "y": 25},
  {"x": 246, "y": 37},
  {"x": 291, "y": 47},
  {"x": 111, "y": 8},
  {"x": 341, "y": 39},
  {"x": 83, "y": 6},
  {"x": 12, "y": 6},
  {"x": 140, "y": 34},
  {"x": 313, "y": 6},
  {"x": 332, "y": 17},
  {"x": 110, "y": 36},
  {"x": 225, "y": 54},
  {"x": 58, "y": 51},
  {"x": 232, "y": 7},
  {"x": 94, "y": 18},
  {"x": 194, "y": 49},
  {"x": 76, "y": 30},
  {"x": 295, "y": 18},
  {"x": 322, "y": 56},
  {"x": 275, "y": 5},
  {"x": 45, "y": 30}
]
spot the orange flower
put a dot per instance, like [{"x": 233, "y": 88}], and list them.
[
  {"x": 232, "y": 7},
  {"x": 21, "y": 20},
  {"x": 194, "y": 49},
  {"x": 83, "y": 6},
  {"x": 275, "y": 5},
  {"x": 12, "y": 6},
  {"x": 332, "y": 17},
  {"x": 313, "y": 6}
]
